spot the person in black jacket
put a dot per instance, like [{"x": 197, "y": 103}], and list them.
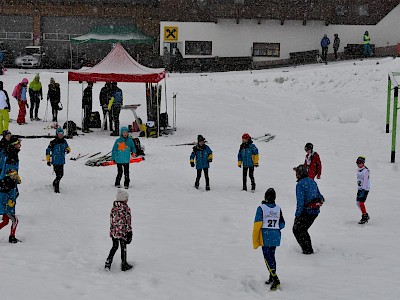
[
  {"x": 105, "y": 96},
  {"x": 54, "y": 96},
  {"x": 87, "y": 102}
]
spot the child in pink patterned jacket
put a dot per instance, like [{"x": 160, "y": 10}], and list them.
[{"x": 120, "y": 229}]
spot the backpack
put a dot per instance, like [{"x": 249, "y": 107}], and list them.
[
  {"x": 138, "y": 146},
  {"x": 72, "y": 129}
]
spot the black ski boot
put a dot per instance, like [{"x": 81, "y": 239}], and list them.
[
  {"x": 275, "y": 283},
  {"x": 207, "y": 188},
  {"x": 270, "y": 279},
  {"x": 125, "y": 266},
  {"x": 253, "y": 187},
  {"x": 108, "y": 264},
  {"x": 244, "y": 188},
  {"x": 13, "y": 240},
  {"x": 364, "y": 219},
  {"x": 56, "y": 187}
]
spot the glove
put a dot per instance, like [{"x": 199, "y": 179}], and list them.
[
  {"x": 192, "y": 164},
  {"x": 318, "y": 176},
  {"x": 239, "y": 164},
  {"x": 129, "y": 237},
  {"x": 256, "y": 165},
  {"x": 49, "y": 164},
  {"x": 210, "y": 160}
]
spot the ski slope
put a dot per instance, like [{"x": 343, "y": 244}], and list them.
[{"x": 192, "y": 244}]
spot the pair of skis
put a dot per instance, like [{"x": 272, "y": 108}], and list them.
[
  {"x": 264, "y": 138},
  {"x": 84, "y": 155}
]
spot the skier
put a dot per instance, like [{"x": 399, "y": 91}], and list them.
[
  {"x": 120, "y": 229},
  {"x": 248, "y": 156},
  {"x": 35, "y": 94},
  {"x": 114, "y": 107},
  {"x": 309, "y": 200},
  {"x": 268, "y": 223},
  {"x": 87, "y": 101},
  {"x": 324, "y": 45},
  {"x": 121, "y": 153},
  {"x": 10, "y": 159},
  {"x": 8, "y": 198},
  {"x": 363, "y": 188},
  {"x": 54, "y": 96},
  {"x": 336, "y": 44},
  {"x": 105, "y": 95},
  {"x": 19, "y": 93},
  {"x": 312, "y": 162},
  {"x": 5, "y": 108},
  {"x": 202, "y": 154},
  {"x": 55, "y": 155}
]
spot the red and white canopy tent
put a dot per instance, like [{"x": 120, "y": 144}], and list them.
[{"x": 117, "y": 66}]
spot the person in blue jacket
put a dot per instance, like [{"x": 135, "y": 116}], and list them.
[
  {"x": 309, "y": 201},
  {"x": 268, "y": 223},
  {"x": 325, "y": 42},
  {"x": 8, "y": 199},
  {"x": 114, "y": 107},
  {"x": 55, "y": 155},
  {"x": 10, "y": 160},
  {"x": 121, "y": 153},
  {"x": 5, "y": 141},
  {"x": 248, "y": 157},
  {"x": 201, "y": 156}
]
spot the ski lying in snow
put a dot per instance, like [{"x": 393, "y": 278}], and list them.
[
  {"x": 257, "y": 138},
  {"x": 96, "y": 161},
  {"x": 79, "y": 156},
  {"x": 111, "y": 163},
  {"x": 266, "y": 138},
  {"x": 93, "y": 155},
  {"x": 185, "y": 144}
]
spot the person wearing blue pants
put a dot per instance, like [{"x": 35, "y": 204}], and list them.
[{"x": 268, "y": 223}]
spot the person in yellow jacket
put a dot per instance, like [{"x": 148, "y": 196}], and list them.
[
  {"x": 268, "y": 223},
  {"x": 5, "y": 108},
  {"x": 367, "y": 50},
  {"x": 35, "y": 94}
]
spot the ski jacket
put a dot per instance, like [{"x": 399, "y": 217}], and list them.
[
  {"x": 118, "y": 97},
  {"x": 87, "y": 97},
  {"x": 56, "y": 150},
  {"x": 248, "y": 155},
  {"x": 262, "y": 235},
  {"x": 8, "y": 195},
  {"x": 202, "y": 155},
  {"x": 336, "y": 43},
  {"x": 123, "y": 148},
  {"x": 10, "y": 160},
  {"x": 325, "y": 42},
  {"x": 120, "y": 220},
  {"x": 313, "y": 164},
  {"x": 19, "y": 92},
  {"x": 363, "y": 179},
  {"x": 309, "y": 199},
  {"x": 366, "y": 39},
  {"x": 35, "y": 89},
  {"x": 54, "y": 94},
  {"x": 4, "y": 100},
  {"x": 105, "y": 95}
]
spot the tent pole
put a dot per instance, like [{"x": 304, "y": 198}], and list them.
[
  {"x": 165, "y": 93},
  {"x": 70, "y": 52},
  {"x": 82, "y": 110},
  {"x": 158, "y": 112},
  {"x": 67, "y": 107}
]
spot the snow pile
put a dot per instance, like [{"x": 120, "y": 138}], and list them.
[{"x": 351, "y": 115}]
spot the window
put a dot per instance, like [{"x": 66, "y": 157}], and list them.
[
  {"x": 267, "y": 49},
  {"x": 198, "y": 48}
]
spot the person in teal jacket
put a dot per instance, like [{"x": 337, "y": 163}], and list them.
[
  {"x": 121, "y": 153},
  {"x": 248, "y": 157},
  {"x": 268, "y": 223},
  {"x": 202, "y": 155}
]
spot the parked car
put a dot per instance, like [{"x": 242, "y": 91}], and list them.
[{"x": 33, "y": 57}]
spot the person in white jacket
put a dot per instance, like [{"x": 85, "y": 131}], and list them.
[
  {"x": 4, "y": 109},
  {"x": 363, "y": 188}
]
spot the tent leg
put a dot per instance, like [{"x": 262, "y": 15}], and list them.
[
  {"x": 158, "y": 113},
  {"x": 67, "y": 108}
]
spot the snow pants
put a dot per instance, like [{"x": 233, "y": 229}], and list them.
[
  {"x": 114, "y": 113},
  {"x": 22, "y": 112},
  {"x": 4, "y": 119},
  {"x": 35, "y": 103},
  {"x": 196, "y": 184},
  {"x": 269, "y": 258},
  {"x": 300, "y": 231},
  {"x": 14, "y": 223},
  {"x": 251, "y": 175},
  {"x": 114, "y": 249},
  {"x": 122, "y": 168},
  {"x": 361, "y": 198},
  {"x": 59, "y": 170}
]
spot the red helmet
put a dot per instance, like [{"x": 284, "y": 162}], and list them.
[{"x": 246, "y": 136}]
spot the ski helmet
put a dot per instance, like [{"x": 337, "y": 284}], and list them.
[
  {"x": 308, "y": 146},
  {"x": 246, "y": 136}
]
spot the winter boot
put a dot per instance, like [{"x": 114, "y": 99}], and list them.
[
  {"x": 13, "y": 240},
  {"x": 197, "y": 183},
  {"x": 270, "y": 279},
  {"x": 108, "y": 264},
  {"x": 253, "y": 187},
  {"x": 56, "y": 187},
  {"x": 364, "y": 219},
  {"x": 207, "y": 188},
  {"x": 244, "y": 188},
  {"x": 276, "y": 283},
  {"x": 125, "y": 266}
]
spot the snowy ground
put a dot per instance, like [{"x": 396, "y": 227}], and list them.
[{"x": 196, "y": 244}]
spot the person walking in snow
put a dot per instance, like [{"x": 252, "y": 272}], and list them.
[
  {"x": 11, "y": 156},
  {"x": 324, "y": 45},
  {"x": 55, "y": 155},
  {"x": 54, "y": 96},
  {"x": 363, "y": 185},
  {"x": 248, "y": 158},
  {"x": 35, "y": 94},
  {"x": 120, "y": 229},
  {"x": 268, "y": 224},
  {"x": 201, "y": 157},
  {"x": 309, "y": 200},
  {"x": 8, "y": 200},
  {"x": 123, "y": 149},
  {"x": 5, "y": 108},
  {"x": 19, "y": 93},
  {"x": 312, "y": 162},
  {"x": 336, "y": 44},
  {"x": 367, "y": 50},
  {"x": 87, "y": 102}
]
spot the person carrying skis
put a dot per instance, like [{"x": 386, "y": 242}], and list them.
[
  {"x": 363, "y": 185},
  {"x": 201, "y": 156},
  {"x": 54, "y": 96},
  {"x": 11, "y": 156},
  {"x": 309, "y": 200},
  {"x": 8, "y": 199},
  {"x": 114, "y": 107},
  {"x": 55, "y": 155},
  {"x": 5, "y": 108},
  {"x": 87, "y": 102},
  {"x": 312, "y": 162},
  {"x": 268, "y": 223},
  {"x": 120, "y": 229},
  {"x": 123, "y": 149},
  {"x": 35, "y": 94},
  {"x": 248, "y": 157},
  {"x": 19, "y": 93},
  {"x": 105, "y": 96},
  {"x": 325, "y": 41}
]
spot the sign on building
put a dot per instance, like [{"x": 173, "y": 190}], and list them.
[{"x": 170, "y": 33}]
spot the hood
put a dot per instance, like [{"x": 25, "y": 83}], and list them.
[{"x": 123, "y": 129}]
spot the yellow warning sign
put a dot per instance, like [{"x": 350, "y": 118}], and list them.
[{"x": 171, "y": 33}]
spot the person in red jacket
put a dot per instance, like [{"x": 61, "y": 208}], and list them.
[{"x": 312, "y": 162}]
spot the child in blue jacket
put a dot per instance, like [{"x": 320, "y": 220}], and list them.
[
  {"x": 8, "y": 199},
  {"x": 121, "y": 153},
  {"x": 268, "y": 223},
  {"x": 202, "y": 155},
  {"x": 248, "y": 158},
  {"x": 55, "y": 155}
]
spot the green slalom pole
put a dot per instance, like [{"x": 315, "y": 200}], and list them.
[
  {"x": 389, "y": 91},
  {"x": 396, "y": 96}
]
